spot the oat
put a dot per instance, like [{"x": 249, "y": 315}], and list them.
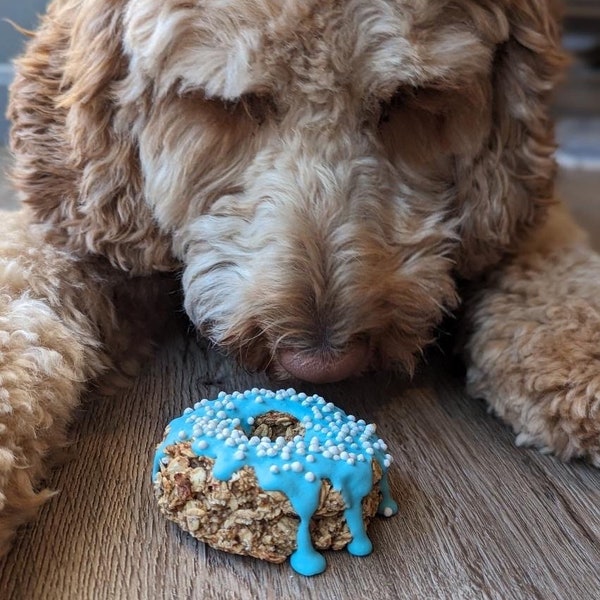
[{"x": 238, "y": 516}]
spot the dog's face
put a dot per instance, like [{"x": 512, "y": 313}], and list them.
[{"x": 325, "y": 168}]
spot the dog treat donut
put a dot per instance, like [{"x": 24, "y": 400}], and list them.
[{"x": 273, "y": 474}]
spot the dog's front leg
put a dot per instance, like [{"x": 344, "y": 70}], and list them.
[
  {"x": 59, "y": 328},
  {"x": 533, "y": 341}
]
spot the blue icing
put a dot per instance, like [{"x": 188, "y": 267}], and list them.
[{"x": 335, "y": 446}]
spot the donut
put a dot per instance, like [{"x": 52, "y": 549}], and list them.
[{"x": 273, "y": 474}]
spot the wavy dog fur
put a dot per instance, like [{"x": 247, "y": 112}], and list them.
[{"x": 322, "y": 174}]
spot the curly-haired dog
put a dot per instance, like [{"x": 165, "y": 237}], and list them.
[{"x": 329, "y": 177}]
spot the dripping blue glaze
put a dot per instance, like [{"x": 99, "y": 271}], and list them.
[{"x": 335, "y": 446}]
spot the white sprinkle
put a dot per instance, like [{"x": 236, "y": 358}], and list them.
[
  {"x": 370, "y": 451},
  {"x": 165, "y": 460},
  {"x": 386, "y": 463},
  {"x": 274, "y": 469},
  {"x": 290, "y": 391},
  {"x": 286, "y": 466},
  {"x": 285, "y": 455},
  {"x": 250, "y": 420},
  {"x": 261, "y": 453},
  {"x": 230, "y": 406},
  {"x": 309, "y": 476},
  {"x": 351, "y": 418},
  {"x": 326, "y": 454},
  {"x": 221, "y": 395},
  {"x": 344, "y": 455},
  {"x": 259, "y": 400},
  {"x": 350, "y": 461},
  {"x": 387, "y": 512},
  {"x": 229, "y": 442},
  {"x": 280, "y": 441},
  {"x": 254, "y": 440},
  {"x": 297, "y": 467},
  {"x": 360, "y": 458},
  {"x": 310, "y": 458},
  {"x": 187, "y": 411},
  {"x": 197, "y": 405},
  {"x": 221, "y": 414},
  {"x": 202, "y": 444},
  {"x": 182, "y": 435},
  {"x": 272, "y": 452},
  {"x": 239, "y": 455}
]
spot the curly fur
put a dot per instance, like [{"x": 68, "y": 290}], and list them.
[{"x": 324, "y": 175}]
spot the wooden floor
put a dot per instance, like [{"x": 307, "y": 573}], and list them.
[{"x": 479, "y": 518}]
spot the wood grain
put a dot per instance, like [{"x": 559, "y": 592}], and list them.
[{"x": 479, "y": 518}]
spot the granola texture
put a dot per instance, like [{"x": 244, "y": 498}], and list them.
[{"x": 238, "y": 516}]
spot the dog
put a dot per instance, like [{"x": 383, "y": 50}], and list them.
[{"x": 325, "y": 179}]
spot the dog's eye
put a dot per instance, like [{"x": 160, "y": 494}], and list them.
[
  {"x": 399, "y": 98},
  {"x": 257, "y": 107}
]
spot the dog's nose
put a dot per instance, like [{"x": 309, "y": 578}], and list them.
[{"x": 323, "y": 370}]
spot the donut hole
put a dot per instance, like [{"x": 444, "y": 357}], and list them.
[{"x": 274, "y": 424}]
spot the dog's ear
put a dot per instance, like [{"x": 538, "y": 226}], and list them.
[
  {"x": 504, "y": 191},
  {"x": 77, "y": 161}
]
